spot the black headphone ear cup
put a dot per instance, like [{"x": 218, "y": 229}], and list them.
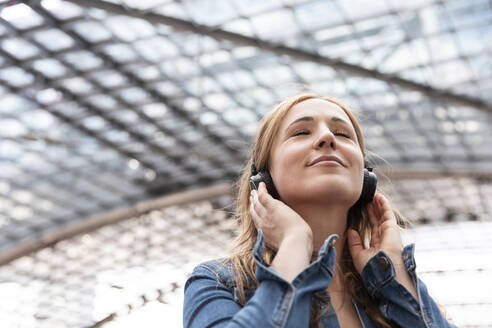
[
  {"x": 368, "y": 187},
  {"x": 264, "y": 176}
]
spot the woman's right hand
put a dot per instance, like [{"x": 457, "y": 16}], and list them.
[{"x": 278, "y": 222}]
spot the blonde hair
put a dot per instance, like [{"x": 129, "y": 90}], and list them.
[{"x": 242, "y": 256}]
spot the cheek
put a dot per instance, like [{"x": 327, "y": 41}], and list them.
[
  {"x": 285, "y": 166},
  {"x": 280, "y": 168},
  {"x": 359, "y": 175},
  {"x": 357, "y": 163}
]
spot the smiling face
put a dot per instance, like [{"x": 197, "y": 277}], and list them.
[{"x": 316, "y": 156}]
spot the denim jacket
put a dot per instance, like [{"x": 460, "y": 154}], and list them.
[{"x": 211, "y": 298}]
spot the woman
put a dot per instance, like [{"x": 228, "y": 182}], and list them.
[{"x": 317, "y": 247}]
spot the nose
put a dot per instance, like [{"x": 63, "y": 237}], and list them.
[{"x": 326, "y": 138}]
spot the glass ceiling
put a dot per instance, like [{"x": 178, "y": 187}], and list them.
[{"x": 105, "y": 104}]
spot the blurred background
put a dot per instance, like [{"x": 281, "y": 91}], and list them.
[{"x": 124, "y": 123}]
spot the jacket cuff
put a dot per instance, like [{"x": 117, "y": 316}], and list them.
[
  {"x": 316, "y": 275},
  {"x": 379, "y": 270},
  {"x": 263, "y": 271},
  {"x": 409, "y": 259}
]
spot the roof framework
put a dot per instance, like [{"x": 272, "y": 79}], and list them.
[{"x": 107, "y": 104}]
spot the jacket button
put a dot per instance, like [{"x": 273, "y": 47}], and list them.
[{"x": 383, "y": 263}]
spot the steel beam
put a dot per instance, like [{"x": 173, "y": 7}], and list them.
[
  {"x": 95, "y": 222},
  {"x": 280, "y": 49}
]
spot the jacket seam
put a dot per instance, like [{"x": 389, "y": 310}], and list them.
[{"x": 290, "y": 299}]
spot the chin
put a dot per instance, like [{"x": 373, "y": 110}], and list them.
[{"x": 324, "y": 192}]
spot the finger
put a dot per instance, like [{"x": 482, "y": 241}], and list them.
[
  {"x": 375, "y": 236},
  {"x": 263, "y": 187},
  {"x": 386, "y": 210},
  {"x": 258, "y": 206},
  {"x": 354, "y": 243},
  {"x": 373, "y": 219},
  {"x": 256, "y": 218},
  {"x": 263, "y": 196}
]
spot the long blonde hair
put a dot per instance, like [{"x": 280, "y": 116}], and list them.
[{"x": 242, "y": 256}]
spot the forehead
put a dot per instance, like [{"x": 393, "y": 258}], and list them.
[{"x": 315, "y": 108}]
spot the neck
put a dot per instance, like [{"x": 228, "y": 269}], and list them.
[{"x": 326, "y": 219}]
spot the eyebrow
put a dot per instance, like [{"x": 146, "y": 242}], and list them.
[{"x": 310, "y": 118}]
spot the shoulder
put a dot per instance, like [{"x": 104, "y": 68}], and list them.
[
  {"x": 212, "y": 276},
  {"x": 220, "y": 270}
]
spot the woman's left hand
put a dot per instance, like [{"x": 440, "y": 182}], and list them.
[{"x": 385, "y": 235}]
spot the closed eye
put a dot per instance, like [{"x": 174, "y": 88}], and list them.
[
  {"x": 307, "y": 132},
  {"x": 342, "y": 134},
  {"x": 303, "y": 132}
]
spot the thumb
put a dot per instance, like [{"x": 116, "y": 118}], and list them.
[{"x": 354, "y": 243}]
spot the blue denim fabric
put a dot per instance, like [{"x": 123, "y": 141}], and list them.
[{"x": 211, "y": 298}]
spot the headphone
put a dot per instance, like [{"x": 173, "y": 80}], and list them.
[{"x": 366, "y": 196}]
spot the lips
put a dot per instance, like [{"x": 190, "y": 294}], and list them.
[{"x": 327, "y": 158}]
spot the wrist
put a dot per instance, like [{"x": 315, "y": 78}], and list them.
[
  {"x": 396, "y": 257},
  {"x": 300, "y": 240},
  {"x": 293, "y": 255}
]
